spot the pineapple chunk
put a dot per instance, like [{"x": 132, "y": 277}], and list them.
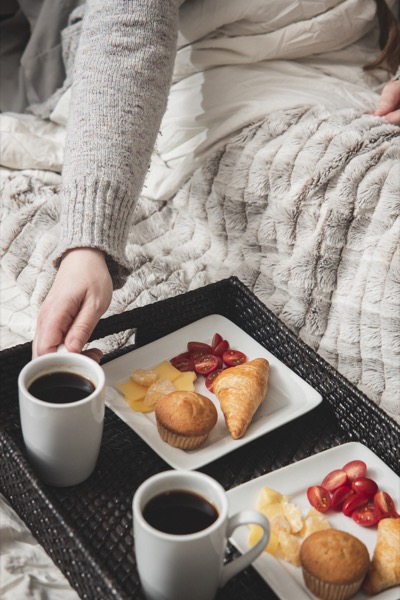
[
  {"x": 140, "y": 406},
  {"x": 288, "y": 528},
  {"x": 166, "y": 371},
  {"x": 132, "y": 391},
  {"x": 271, "y": 510},
  {"x": 161, "y": 387},
  {"x": 269, "y": 496},
  {"x": 145, "y": 377},
  {"x": 280, "y": 523},
  {"x": 255, "y": 534},
  {"x": 289, "y": 547},
  {"x": 314, "y": 521},
  {"x": 293, "y": 514},
  {"x": 185, "y": 381}
]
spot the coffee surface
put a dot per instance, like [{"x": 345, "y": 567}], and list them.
[
  {"x": 61, "y": 387},
  {"x": 180, "y": 512}
]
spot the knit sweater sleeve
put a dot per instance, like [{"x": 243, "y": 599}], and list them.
[{"x": 121, "y": 81}]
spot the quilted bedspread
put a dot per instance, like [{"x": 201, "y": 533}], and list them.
[{"x": 303, "y": 206}]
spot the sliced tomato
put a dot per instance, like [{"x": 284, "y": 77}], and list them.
[
  {"x": 365, "y": 486},
  {"x": 206, "y": 364},
  {"x": 340, "y": 495},
  {"x": 199, "y": 347},
  {"x": 222, "y": 347},
  {"x": 232, "y": 358},
  {"x": 179, "y": 357},
  {"x": 353, "y": 503},
  {"x": 182, "y": 364},
  {"x": 385, "y": 504},
  {"x": 220, "y": 362},
  {"x": 354, "y": 469},
  {"x": 217, "y": 339},
  {"x": 211, "y": 377},
  {"x": 196, "y": 355},
  {"x": 319, "y": 498},
  {"x": 367, "y": 515},
  {"x": 334, "y": 480}
]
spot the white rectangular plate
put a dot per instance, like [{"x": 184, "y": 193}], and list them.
[
  {"x": 285, "y": 579},
  {"x": 287, "y": 398}
]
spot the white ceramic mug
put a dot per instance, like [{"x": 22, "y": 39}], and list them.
[
  {"x": 62, "y": 440},
  {"x": 189, "y": 566}
]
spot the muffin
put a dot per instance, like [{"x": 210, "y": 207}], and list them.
[
  {"x": 185, "y": 419},
  {"x": 334, "y": 564}
]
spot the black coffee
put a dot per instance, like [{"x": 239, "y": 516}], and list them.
[
  {"x": 180, "y": 512},
  {"x": 61, "y": 387}
]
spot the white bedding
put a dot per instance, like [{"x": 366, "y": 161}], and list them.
[
  {"x": 224, "y": 80},
  {"x": 236, "y": 62}
]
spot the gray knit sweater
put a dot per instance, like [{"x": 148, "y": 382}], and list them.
[{"x": 121, "y": 82}]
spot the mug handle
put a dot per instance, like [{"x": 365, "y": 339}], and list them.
[
  {"x": 62, "y": 349},
  {"x": 245, "y": 517}
]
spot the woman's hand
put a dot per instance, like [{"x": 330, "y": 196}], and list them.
[
  {"x": 81, "y": 293},
  {"x": 389, "y": 103}
]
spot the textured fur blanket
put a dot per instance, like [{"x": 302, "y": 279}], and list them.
[{"x": 303, "y": 207}]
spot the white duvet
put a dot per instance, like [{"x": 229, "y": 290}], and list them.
[{"x": 236, "y": 62}]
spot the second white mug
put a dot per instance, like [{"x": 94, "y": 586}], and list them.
[{"x": 179, "y": 558}]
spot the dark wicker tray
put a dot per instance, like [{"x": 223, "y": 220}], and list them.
[{"x": 87, "y": 529}]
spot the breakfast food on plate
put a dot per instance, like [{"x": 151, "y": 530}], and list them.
[
  {"x": 185, "y": 419},
  {"x": 287, "y": 525},
  {"x": 144, "y": 377},
  {"x": 349, "y": 490},
  {"x": 384, "y": 571},
  {"x": 205, "y": 359},
  {"x": 158, "y": 389},
  {"x": 334, "y": 564},
  {"x": 240, "y": 391},
  {"x": 146, "y": 386}
]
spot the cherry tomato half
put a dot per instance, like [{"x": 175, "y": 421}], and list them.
[
  {"x": 385, "y": 504},
  {"x": 220, "y": 362},
  {"x": 352, "y": 503},
  {"x": 334, "y": 480},
  {"x": 206, "y": 364},
  {"x": 222, "y": 347},
  {"x": 217, "y": 339},
  {"x": 199, "y": 347},
  {"x": 354, "y": 469},
  {"x": 365, "y": 486},
  {"x": 196, "y": 355},
  {"x": 367, "y": 515},
  {"x": 210, "y": 378},
  {"x": 340, "y": 495},
  {"x": 182, "y": 362},
  {"x": 319, "y": 498},
  {"x": 232, "y": 358}
]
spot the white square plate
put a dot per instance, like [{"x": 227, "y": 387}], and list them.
[
  {"x": 287, "y": 398},
  {"x": 285, "y": 579}
]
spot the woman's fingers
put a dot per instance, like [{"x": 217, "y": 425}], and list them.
[
  {"x": 393, "y": 117},
  {"x": 389, "y": 103},
  {"x": 81, "y": 293}
]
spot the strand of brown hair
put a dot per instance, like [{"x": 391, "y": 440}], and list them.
[{"x": 389, "y": 40}]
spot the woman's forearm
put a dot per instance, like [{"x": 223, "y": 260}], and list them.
[{"x": 121, "y": 82}]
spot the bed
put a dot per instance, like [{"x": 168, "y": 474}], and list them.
[{"x": 268, "y": 166}]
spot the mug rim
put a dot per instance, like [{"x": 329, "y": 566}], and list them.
[
  {"x": 54, "y": 356},
  {"x": 137, "y": 509}
]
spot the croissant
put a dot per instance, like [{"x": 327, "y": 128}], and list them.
[
  {"x": 240, "y": 391},
  {"x": 384, "y": 571}
]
